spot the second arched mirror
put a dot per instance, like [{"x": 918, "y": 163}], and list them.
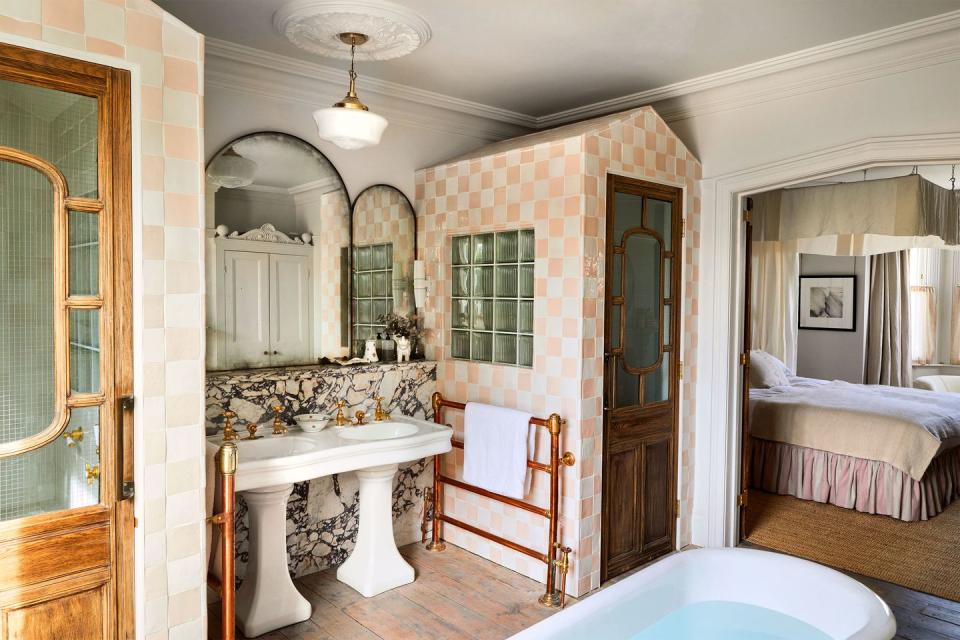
[
  {"x": 384, "y": 246},
  {"x": 278, "y": 291}
]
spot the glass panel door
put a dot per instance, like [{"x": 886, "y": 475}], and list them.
[{"x": 51, "y": 387}]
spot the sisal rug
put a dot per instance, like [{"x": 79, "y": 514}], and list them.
[{"x": 924, "y": 556}]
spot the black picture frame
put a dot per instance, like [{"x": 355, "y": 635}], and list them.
[{"x": 848, "y": 286}]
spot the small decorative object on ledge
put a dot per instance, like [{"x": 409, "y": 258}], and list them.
[
  {"x": 370, "y": 353},
  {"x": 404, "y": 330}
]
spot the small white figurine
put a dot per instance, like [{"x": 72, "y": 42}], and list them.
[
  {"x": 403, "y": 349},
  {"x": 370, "y": 351}
]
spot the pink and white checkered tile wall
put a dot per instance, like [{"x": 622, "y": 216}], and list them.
[{"x": 553, "y": 183}]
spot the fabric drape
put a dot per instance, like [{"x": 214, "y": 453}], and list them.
[
  {"x": 775, "y": 277},
  {"x": 923, "y": 324},
  {"x": 955, "y": 327},
  {"x": 888, "y": 322}
]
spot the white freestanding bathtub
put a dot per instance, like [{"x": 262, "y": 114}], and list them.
[{"x": 725, "y": 594}]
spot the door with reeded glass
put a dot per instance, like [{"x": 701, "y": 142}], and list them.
[
  {"x": 66, "y": 522},
  {"x": 641, "y": 372}
]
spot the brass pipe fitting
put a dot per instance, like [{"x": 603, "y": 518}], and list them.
[{"x": 73, "y": 437}]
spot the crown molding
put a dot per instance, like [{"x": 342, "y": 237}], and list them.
[
  {"x": 940, "y": 28},
  {"x": 232, "y": 66},
  {"x": 913, "y": 45}
]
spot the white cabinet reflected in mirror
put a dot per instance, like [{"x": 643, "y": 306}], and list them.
[
  {"x": 278, "y": 255},
  {"x": 384, "y": 247}
]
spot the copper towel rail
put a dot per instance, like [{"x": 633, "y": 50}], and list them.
[
  {"x": 226, "y": 460},
  {"x": 556, "y": 557}
]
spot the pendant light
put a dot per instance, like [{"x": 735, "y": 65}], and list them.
[
  {"x": 349, "y": 124},
  {"x": 232, "y": 170}
]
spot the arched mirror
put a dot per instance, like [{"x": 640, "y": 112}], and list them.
[
  {"x": 280, "y": 257},
  {"x": 384, "y": 246}
]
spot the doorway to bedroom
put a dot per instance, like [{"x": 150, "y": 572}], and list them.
[{"x": 850, "y": 437}]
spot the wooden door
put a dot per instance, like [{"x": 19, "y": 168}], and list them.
[
  {"x": 290, "y": 329},
  {"x": 66, "y": 465},
  {"x": 745, "y": 441},
  {"x": 246, "y": 309},
  {"x": 642, "y": 368}
]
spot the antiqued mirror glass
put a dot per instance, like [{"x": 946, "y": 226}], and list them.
[
  {"x": 384, "y": 245},
  {"x": 279, "y": 255}
]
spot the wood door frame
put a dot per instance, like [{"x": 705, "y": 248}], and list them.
[
  {"x": 112, "y": 89},
  {"x": 675, "y": 194}
]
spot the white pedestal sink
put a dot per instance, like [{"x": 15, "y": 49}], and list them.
[{"x": 267, "y": 469}]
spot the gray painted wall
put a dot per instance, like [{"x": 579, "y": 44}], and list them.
[{"x": 835, "y": 355}]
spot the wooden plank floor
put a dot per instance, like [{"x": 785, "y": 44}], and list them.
[
  {"x": 456, "y": 595},
  {"x": 459, "y": 595}
]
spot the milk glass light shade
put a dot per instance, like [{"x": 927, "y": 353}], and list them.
[
  {"x": 231, "y": 170},
  {"x": 349, "y": 128}
]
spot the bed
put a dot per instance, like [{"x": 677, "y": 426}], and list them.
[{"x": 881, "y": 450}]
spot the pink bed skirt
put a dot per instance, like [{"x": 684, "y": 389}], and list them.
[{"x": 869, "y": 486}]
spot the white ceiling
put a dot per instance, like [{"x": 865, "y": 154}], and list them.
[{"x": 538, "y": 57}]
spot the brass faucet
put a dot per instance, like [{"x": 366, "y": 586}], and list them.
[
  {"x": 252, "y": 432},
  {"x": 379, "y": 415},
  {"x": 279, "y": 429},
  {"x": 229, "y": 433},
  {"x": 361, "y": 416},
  {"x": 341, "y": 419}
]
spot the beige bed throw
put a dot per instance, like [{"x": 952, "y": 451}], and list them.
[{"x": 903, "y": 427}]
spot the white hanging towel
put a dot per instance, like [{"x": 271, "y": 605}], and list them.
[{"x": 496, "y": 444}]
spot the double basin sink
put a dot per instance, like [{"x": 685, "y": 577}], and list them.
[{"x": 268, "y": 467}]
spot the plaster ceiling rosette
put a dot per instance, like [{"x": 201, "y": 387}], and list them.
[{"x": 315, "y": 25}]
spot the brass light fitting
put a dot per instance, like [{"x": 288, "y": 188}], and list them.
[{"x": 351, "y": 101}]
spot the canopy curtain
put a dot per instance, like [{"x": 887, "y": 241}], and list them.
[
  {"x": 775, "y": 277},
  {"x": 888, "y": 359},
  {"x": 860, "y": 218}
]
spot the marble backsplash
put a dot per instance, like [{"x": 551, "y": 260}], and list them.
[{"x": 322, "y": 513}]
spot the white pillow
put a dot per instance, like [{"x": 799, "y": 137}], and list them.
[{"x": 767, "y": 371}]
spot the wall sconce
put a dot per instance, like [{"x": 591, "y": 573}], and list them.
[{"x": 419, "y": 283}]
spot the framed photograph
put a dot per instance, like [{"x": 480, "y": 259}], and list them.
[{"x": 828, "y": 302}]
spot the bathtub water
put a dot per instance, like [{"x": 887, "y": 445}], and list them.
[
  {"x": 718, "y": 620},
  {"x": 725, "y": 594}
]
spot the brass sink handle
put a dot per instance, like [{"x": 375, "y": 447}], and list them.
[
  {"x": 361, "y": 417},
  {"x": 73, "y": 437},
  {"x": 93, "y": 473},
  {"x": 379, "y": 415},
  {"x": 252, "y": 431},
  {"x": 229, "y": 433},
  {"x": 279, "y": 429},
  {"x": 341, "y": 420}
]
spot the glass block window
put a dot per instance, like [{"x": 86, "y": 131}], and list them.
[
  {"x": 492, "y": 305},
  {"x": 372, "y": 292}
]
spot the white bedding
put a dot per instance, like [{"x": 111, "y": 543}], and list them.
[{"x": 904, "y": 427}]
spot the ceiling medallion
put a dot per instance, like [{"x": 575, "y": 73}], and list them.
[{"x": 315, "y": 25}]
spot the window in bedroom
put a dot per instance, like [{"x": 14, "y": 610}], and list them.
[
  {"x": 492, "y": 305},
  {"x": 934, "y": 306}
]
